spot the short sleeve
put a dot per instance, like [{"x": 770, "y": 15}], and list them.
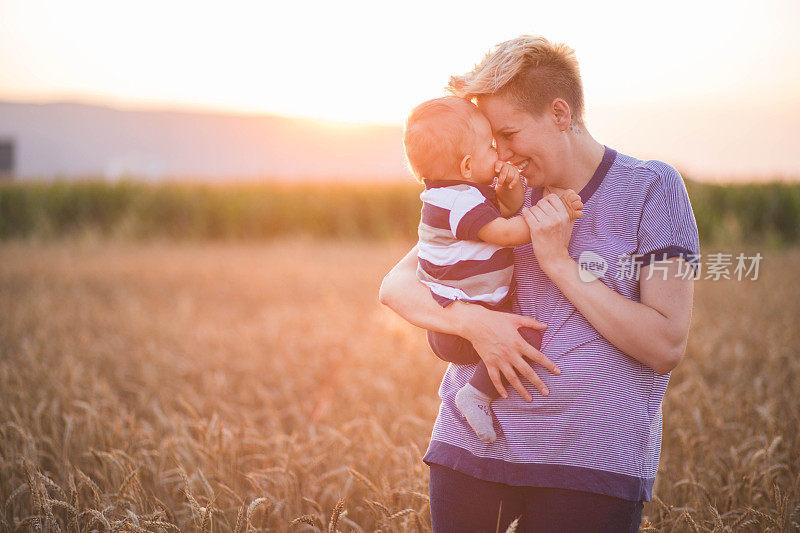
[
  {"x": 667, "y": 227},
  {"x": 469, "y": 213}
]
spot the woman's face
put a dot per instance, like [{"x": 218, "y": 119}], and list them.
[{"x": 534, "y": 144}]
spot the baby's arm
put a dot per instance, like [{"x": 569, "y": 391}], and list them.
[
  {"x": 506, "y": 232},
  {"x": 515, "y": 231},
  {"x": 509, "y": 189}
]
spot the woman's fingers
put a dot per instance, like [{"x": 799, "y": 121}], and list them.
[
  {"x": 529, "y": 217},
  {"x": 537, "y": 382},
  {"x": 546, "y": 206},
  {"x": 538, "y": 214},
  {"x": 547, "y": 203},
  {"x": 556, "y": 206},
  {"x": 497, "y": 381},
  {"x": 505, "y": 351},
  {"x": 513, "y": 380},
  {"x": 529, "y": 322},
  {"x": 532, "y": 221},
  {"x": 520, "y": 367},
  {"x": 538, "y": 357},
  {"x": 551, "y": 210}
]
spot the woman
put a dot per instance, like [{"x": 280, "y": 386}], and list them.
[{"x": 576, "y": 451}]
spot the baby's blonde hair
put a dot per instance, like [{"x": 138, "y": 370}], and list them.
[
  {"x": 530, "y": 70},
  {"x": 437, "y": 135}
]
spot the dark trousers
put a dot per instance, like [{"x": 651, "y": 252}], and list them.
[
  {"x": 459, "y": 350},
  {"x": 461, "y": 503}
]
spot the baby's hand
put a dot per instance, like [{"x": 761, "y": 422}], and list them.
[
  {"x": 507, "y": 176},
  {"x": 573, "y": 204}
]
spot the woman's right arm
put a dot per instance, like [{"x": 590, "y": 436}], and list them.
[
  {"x": 493, "y": 334},
  {"x": 402, "y": 292}
]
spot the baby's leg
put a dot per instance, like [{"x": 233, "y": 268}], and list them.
[
  {"x": 474, "y": 399},
  {"x": 483, "y": 383},
  {"x": 475, "y": 403},
  {"x": 452, "y": 348},
  {"x": 471, "y": 401}
]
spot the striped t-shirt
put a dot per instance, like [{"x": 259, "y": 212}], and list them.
[
  {"x": 599, "y": 430},
  {"x": 453, "y": 262}
]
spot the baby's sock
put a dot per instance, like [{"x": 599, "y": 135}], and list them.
[{"x": 476, "y": 408}]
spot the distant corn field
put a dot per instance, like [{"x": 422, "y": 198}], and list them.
[
  {"x": 767, "y": 213},
  {"x": 244, "y": 387}
]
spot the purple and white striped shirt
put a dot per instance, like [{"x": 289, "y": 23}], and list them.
[
  {"x": 599, "y": 430},
  {"x": 452, "y": 261}
]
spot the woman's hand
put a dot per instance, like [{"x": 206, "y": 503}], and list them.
[
  {"x": 495, "y": 336},
  {"x": 550, "y": 230}
]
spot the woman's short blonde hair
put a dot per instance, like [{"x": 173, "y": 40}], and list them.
[
  {"x": 530, "y": 70},
  {"x": 437, "y": 135}
]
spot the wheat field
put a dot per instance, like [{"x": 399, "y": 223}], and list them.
[{"x": 261, "y": 387}]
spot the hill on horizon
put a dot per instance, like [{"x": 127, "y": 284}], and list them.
[
  {"x": 82, "y": 140},
  {"x": 78, "y": 140}
]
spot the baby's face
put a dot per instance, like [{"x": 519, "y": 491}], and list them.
[{"x": 484, "y": 154}]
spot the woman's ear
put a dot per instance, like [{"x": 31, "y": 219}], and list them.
[
  {"x": 466, "y": 167},
  {"x": 562, "y": 115}
]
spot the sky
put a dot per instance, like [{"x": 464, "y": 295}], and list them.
[{"x": 728, "y": 72}]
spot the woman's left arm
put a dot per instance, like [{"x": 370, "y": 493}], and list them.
[{"x": 653, "y": 331}]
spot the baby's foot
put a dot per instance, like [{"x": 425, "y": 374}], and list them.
[
  {"x": 475, "y": 406},
  {"x": 573, "y": 204}
]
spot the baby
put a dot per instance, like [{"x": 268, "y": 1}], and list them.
[{"x": 464, "y": 238}]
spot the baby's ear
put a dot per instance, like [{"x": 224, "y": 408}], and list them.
[{"x": 466, "y": 167}]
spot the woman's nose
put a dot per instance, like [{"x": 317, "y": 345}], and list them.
[{"x": 503, "y": 152}]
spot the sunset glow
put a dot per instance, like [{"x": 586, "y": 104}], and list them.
[{"x": 357, "y": 62}]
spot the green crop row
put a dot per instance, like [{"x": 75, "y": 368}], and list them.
[
  {"x": 764, "y": 213},
  {"x": 201, "y": 211}
]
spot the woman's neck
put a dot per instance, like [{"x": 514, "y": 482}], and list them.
[{"x": 585, "y": 155}]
